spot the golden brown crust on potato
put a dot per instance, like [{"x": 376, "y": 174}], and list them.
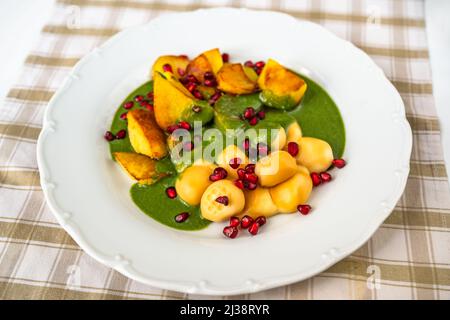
[
  {"x": 233, "y": 79},
  {"x": 176, "y": 62},
  {"x": 139, "y": 167}
]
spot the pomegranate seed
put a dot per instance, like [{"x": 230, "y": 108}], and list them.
[
  {"x": 121, "y": 134},
  {"x": 250, "y": 168},
  {"x": 197, "y": 94},
  {"x": 241, "y": 173},
  {"x": 258, "y": 71},
  {"x": 191, "y": 87},
  {"x": 316, "y": 180},
  {"x": 215, "y": 177},
  {"x": 167, "y": 68},
  {"x": 234, "y": 221},
  {"x": 246, "y": 144},
  {"x": 253, "y": 229},
  {"x": 214, "y": 98},
  {"x": 222, "y": 200},
  {"x": 181, "y": 72},
  {"x": 238, "y": 183},
  {"x": 225, "y": 57},
  {"x": 230, "y": 232},
  {"x": 221, "y": 172},
  {"x": 263, "y": 150},
  {"x": 182, "y": 217},
  {"x": 339, "y": 163},
  {"x": 251, "y": 185},
  {"x": 235, "y": 163},
  {"x": 150, "y": 95},
  {"x": 123, "y": 116},
  {"x": 196, "y": 109},
  {"x": 261, "y": 220},
  {"x": 249, "y": 64},
  {"x": 304, "y": 208},
  {"x": 138, "y": 98},
  {"x": 188, "y": 146},
  {"x": 191, "y": 78},
  {"x": 172, "y": 128},
  {"x": 260, "y": 64},
  {"x": 293, "y": 148},
  {"x": 208, "y": 76},
  {"x": 253, "y": 121},
  {"x": 246, "y": 221},
  {"x": 210, "y": 83},
  {"x": 251, "y": 177},
  {"x": 325, "y": 177},
  {"x": 249, "y": 113},
  {"x": 184, "y": 125},
  {"x": 171, "y": 192},
  {"x": 128, "y": 105},
  {"x": 150, "y": 107},
  {"x": 261, "y": 115},
  {"x": 184, "y": 81},
  {"x": 109, "y": 136}
]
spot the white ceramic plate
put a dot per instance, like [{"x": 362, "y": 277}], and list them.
[{"x": 89, "y": 194}]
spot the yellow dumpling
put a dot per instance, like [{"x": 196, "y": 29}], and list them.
[
  {"x": 294, "y": 132},
  {"x": 218, "y": 211},
  {"x": 290, "y": 193},
  {"x": 280, "y": 140},
  {"x": 258, "y": 202},
  {"x": 229, "y": 153},
  {"x": 315, "y": 154},
  {"x": 275, "y": 168},
  {"x": 191, "y": 184}
]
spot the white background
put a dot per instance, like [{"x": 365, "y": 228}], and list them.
[{"x": 22, "y": 20}]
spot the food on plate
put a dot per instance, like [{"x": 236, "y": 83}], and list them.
[{"x": 207, "y": 140}]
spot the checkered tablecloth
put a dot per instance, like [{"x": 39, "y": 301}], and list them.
[{"x": 408, "y": 257}]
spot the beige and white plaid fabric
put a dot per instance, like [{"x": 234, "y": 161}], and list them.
[{"x": 407, "y": 258}]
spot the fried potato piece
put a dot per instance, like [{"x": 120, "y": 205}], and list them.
[
  {"x": 215, "y": 59},
  {"x": 176, "y": 62},
  {"x": 139, "y": 167},
  {"x": 208, "y": 61},
  {"x": 145, "y": 135},
  {"x": 170, "y": 101},
  {"x": 233, "y": 79}
]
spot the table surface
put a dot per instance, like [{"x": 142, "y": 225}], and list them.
[{"x": 21, "y": 22}]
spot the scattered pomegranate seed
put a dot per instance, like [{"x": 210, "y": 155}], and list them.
[
  {"x": 234, "y": 222},
  {"x": 249, "y": 64},
  {"x": 184, "y": 81},
  {"x": 251, "y": 177},
  {"x": 250, "y": 185},
  {"x": 230, "y": 232},
  {"x": 249, "y": 113},
  {"x": 316, "y": 180},
  {"x": 188, "y": 146},
  {"x": 181, "y": 72},
  {"x": 261, "y": 220},
  {"x": 253, "y": 121},
  {"x": 167, "y": 68},
  {"x": 263, "y": 149},
  {"x": 123, "y": 116},
  {"x": 109, "y": 136},
  {"x": 304, "y": 208},
  {"x": 222, "y": 200},
  {"x": 191, "y": 78},
  {"x": 182, "y": 217},
  {"x": 150, "y": 95},
  {"x": 246, "y": 144},
  {"x": 215, "y": 177},
  {"x": 261, "y": 115},
  {"x": 128, "y": 105},
  {"x": 191, "y": 87},
  {"x": 172, "y": 128},
  {"x": 238, "y": 183},
  {"x": 196, "y": 109},
  {"x": 197, "y": 94},
  {"x": 184, "y": 125},
  {"x": 138, "y": 98},
  {"x": 235, "y": 163},
  {"x": 246, "y": 221},
  {"x": 253, "y": 229},
  {"x": 260, "y": 64},
  {"x": 171, "y": 192},
  {"x": 250, "y": 168},
  {"x": 225, "y": 57},
  {"x": 293, "y": 148},
  {"x": 214, "y": 98},
  {"x": 339, "y": 163},
  {"x": 241, "y": 173},
  {"x": 325, "y": 177},
  {"x": 150, "y": 107},
  {"x": 121, "y": 134},
  {"x": 210, "y": 83},
  {"x": 258, "y": 71},
  {"x": 209, "y": 76},
  {"x": 221, "y": 172}
]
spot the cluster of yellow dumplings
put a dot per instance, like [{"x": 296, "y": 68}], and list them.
[{"x": 284, "y": 181}]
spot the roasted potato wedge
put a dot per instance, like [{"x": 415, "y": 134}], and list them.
[
  {"x": 215, "y": 59},
  {"x": 139, "y": 167},
  {"x": 210, "y": 60},
  {"x": 233, "y": 79},
  {"x": 145, "y": 135},
  {"x": 176, "y": 62}
]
